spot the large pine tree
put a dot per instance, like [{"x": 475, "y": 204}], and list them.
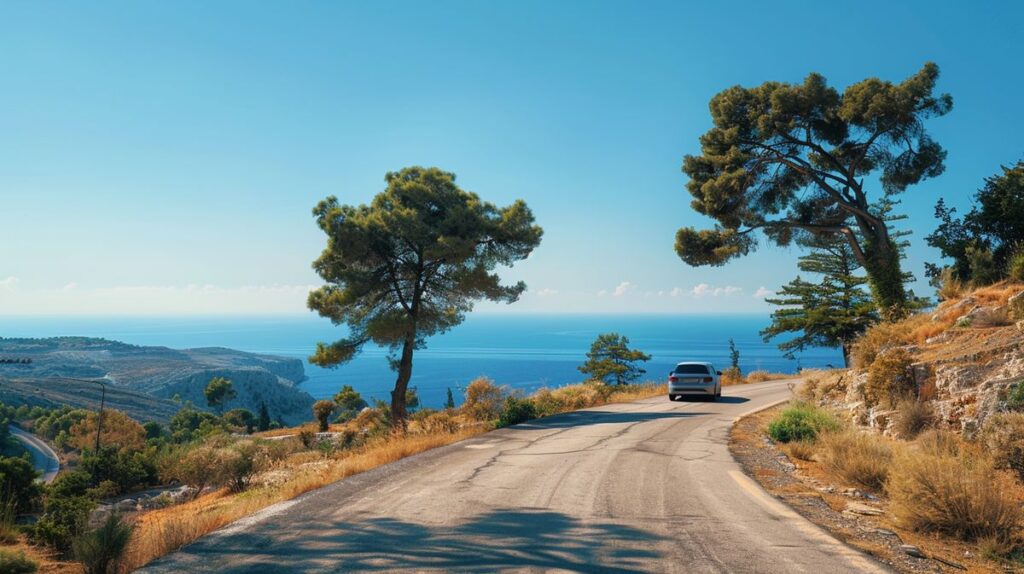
[{"x": 831, "y": 312}]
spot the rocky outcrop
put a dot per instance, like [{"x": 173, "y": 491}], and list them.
[{"x": 152, "y": 375}]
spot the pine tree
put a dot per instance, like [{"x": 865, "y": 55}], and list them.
[
  {"x": 829, "y": 313},
  {"x": 264, "y": 420},
  {"x": 611, "y": 360},
  {"x": 450, "y": 403}
]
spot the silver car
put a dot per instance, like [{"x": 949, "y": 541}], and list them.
[{"x": 693, "y": 378}]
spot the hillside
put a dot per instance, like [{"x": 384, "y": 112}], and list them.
[
  {"x": 143, "y": 380},
  {"x": 962, "y": 358}
]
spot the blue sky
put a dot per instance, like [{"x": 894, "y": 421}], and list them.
[{"x": 163, "y": 157}]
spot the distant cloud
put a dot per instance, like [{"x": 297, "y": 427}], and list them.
[
  {"x": 602, "y": 292},
  {"x": 622, "y": 289},
  {"x": 762, "y": 292},
  {"x": 704, "y": 290},
  {"x": 546, "y": 292},
  {"x": 188, "y": 299},
  {"x": 677, "y": 292}
]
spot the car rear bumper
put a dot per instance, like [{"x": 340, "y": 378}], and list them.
[{"x": 708, "y": 389}]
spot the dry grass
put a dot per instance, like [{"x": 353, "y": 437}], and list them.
[
  {"x": 732, "y": 376},
  {"x": 913, "y": 417},
  {"x": 944, "y": 485},
  {"x": 885, "y": 336},
  {"x": 890, "y": 379},
  {"x": 762, "y": 376},
  {"x": 163, "y": 531},
  {"x": 799, "y": 449},
  {"x": 859, "y": 458}
]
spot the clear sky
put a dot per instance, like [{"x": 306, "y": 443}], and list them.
[{"x": 163, "y": 157}]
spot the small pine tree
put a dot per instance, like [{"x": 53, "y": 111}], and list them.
[
  {"x": 610, "y": 358},
  {"x": 734, "y": 355},
  {"x": 263, "y": 423},
  {"x": 219, "y": 391},
  {"x": 830, "y": 313},
  {"x": 450, "y": 403}
]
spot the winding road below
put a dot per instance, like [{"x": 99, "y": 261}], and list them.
[
  {"x": 43, "y": 457},
  {"x": 647, "y": 486}
]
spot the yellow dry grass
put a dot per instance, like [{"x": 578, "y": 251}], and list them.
[
  {"x": 162, "y": 531},
  {"x": 762, "y": 376}
]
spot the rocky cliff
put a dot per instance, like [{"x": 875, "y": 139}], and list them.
[
  {"x": 962, "y": 358},
  {"x": 147, "y": 378}
]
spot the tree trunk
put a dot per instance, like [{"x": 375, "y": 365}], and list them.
[
  {"x": 846, "y": 355},
  {"x": 882, "y": 263},
  {"x": 398, "y": 413}
]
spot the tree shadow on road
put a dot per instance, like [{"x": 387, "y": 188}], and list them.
[
  {"x": 583, "y": 418},
  {"x": 533, "y": 539}
]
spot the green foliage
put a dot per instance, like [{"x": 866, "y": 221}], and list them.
[
  {"x": 983, "y": 243},
  {"x": 791, "y": 160},
  {"x": 517, "y": 410},
  {"x": 1015, "y": 265},
  {"x": 1015, "y": 398},
  {"x": 412, "y": 264},
  {"x": 70, "y": 483},
  {"x": 218, "y": 392},
  {"x": 241, "y": 418},
  {"x": 801, "y": 422},
  {"x": 611, "y": 360},
  {"x": 16, "y": 563},
  {"x": 734, "y": 356},
  {"x": 322, "y": 411},
  {"x": 189, "y": 424},
  {"x": 154, "y": 430},
  {"x": 59, "y": 420},
  {"x": 449, "y": 402},
  {"x": 831, "y": 312},
  {"x": 127, "y": 469},
  {"x": 17, "y": 479},
  {"x": 100, "y": 549},
  {"x": 349, "y": 402},
  {"x": 63, "y": 519}
]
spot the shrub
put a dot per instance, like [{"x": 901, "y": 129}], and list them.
[
  {"x": 322, "y": 411},
  {"x": 18, "y": 478},
  {"x": 761, "y": 376},
  {"x": 307, "y": 438},
  {"x": 889, "y": 379},
  {"x": 8, "y": 514},
  {"x": 1003, "y": 437},
  {"x": 241, "y": 461},
  {"x": 801, "y": 421},
  {"x": 484, "y": 400},
  {"x": 63, "y": 519},
  {"x": 878, "y": 339},
  {"x": 732, "y": 376},
  {"x": 860, "y": 458},
  {"x": 1015, "y": 265},
  {"x": 800, "y": 450},
  {"x": 440, "y": 422},
  {"x": 1015, "y": 397},
  {"x": 198, "y": 467},
  {"x": 100, "y": 550},
  {"x": 517, "y": 410},
  {"x": 945, "y": 488},
  {"x": 913, "y": 417},
  {"x": 16, "y": 563},
  {"x": 949, "y": 285}
]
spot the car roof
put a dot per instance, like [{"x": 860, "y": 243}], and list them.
[{"x": 705, "y": 363}]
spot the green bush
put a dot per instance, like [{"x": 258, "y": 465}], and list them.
[
  {"x": 63, "y": 519},
  {"x": 17, "y": 476},
  {"x": 16, "y": 563},
  {"x": 1015, "y": 265},
  {"x": 801, "y": 421},
  {"x": 1015, "y": 398},
  {"x": 100, "y": 550},
  {"x": 517, "y": 410}
]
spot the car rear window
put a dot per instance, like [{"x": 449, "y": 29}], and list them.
[{"x": 691, "y": 370}]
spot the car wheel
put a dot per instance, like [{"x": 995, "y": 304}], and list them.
[{"x": 671, "y": 397}]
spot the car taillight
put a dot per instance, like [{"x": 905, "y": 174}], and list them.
[
  {"x": 707, "y": 379},
  {"x": 672, "y": 378}
]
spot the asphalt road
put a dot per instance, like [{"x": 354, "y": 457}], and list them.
[
  {"x": 43, "y": 457},
  {"x": 647, "y": 486}
]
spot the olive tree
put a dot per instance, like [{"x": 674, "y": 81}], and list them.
[
  {"x": 790, "y": 161},
  {"x": 411, "y": 264}
]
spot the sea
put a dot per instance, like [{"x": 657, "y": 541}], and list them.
[{"x": 520, "y": 351}]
